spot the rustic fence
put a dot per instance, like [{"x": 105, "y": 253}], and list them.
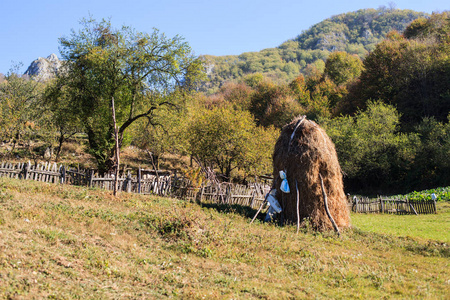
[
  {"x": 144, "y": 182},
  {"x": 42, "y": 172},
  {"x": 393, "y": 206},
  {"x": 252, "y": 195},
  {"x": 157, "y": 183},
  {"x": 168, "y": 184}
]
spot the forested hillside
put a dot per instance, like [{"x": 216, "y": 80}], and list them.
[
  {"x": 387, "y": 110},
  {"x": 355, "y": 33},
  {"x": 387, "y": 114}
]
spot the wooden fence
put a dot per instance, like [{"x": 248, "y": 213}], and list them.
[
  {"x": 158, "y": 183},
  {"x": 168, "y": 184},
  {"x": 225, "y": 193},
  {"x": 393, "y": 206},
  {"x": 42, "y": 172}
]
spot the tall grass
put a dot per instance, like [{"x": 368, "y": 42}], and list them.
[{"x": 66, "y": 242}]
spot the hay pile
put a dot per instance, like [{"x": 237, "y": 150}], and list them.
[{"x": 309, "y": 155}]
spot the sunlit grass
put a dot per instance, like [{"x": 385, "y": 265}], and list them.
[
  {"x": 424, "y": 226},
  {"x": 69, "y": 242}
]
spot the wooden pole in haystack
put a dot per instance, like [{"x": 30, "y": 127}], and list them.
[{"x": 116, "y": 138}]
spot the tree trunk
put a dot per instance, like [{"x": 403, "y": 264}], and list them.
[{"x": 117, "y": 156}]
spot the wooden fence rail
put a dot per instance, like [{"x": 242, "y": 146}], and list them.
[
  {"x": 51, "y": 173},
  {"x": 159, "y": 183},
  {"x": 168, "y": 184},
  {"x": 393, "y": 206},
  {"x": 224, "y": 193}
]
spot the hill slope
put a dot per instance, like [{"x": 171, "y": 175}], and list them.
[
  {"x": 69, "y": 242},
  {"x": 355, "y": 32}
]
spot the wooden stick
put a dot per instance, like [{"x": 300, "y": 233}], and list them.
[
  {"x": 413, "y": 208},
  {"x": 298, "y": 206},
  {"x": 324, "y": 194},
  {"x": 262, "y": 204}
]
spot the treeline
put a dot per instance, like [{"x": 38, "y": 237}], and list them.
[
  {"x": 148, "y": 82},
  {"x": 388, "y": 114},
  {"x": 355, "y": 33}
]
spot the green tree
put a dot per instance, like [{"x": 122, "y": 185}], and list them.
[
  {"x": 21, "y": 119},
  {"x": 411, "y": 73},
  {"x": 372, "y": 152},
  {"x": 432, "y": 164},
  {"x": 66, "y": 123},
  {"x": 163, "y": 134},
  {"x": 141, "y": 71},
  {"x": 342, "y": 67},
  {"x": 228, "y": 140}
]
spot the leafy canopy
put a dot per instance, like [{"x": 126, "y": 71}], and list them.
[
  {"x": 228, "y": 139},
  {"x": 141, "y": 72}
]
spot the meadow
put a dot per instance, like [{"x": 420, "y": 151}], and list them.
[{"x": 66, "y": 242}]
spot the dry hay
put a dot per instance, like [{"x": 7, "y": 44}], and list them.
[{"x": 304, "y": 158}]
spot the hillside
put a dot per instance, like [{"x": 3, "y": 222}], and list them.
[
  {"x": 355, "y": 32},
  {"x": 65, "y": 242}
]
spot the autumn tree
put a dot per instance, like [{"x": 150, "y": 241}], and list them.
[
  {"x": 411, "y": 71},
  {"x": 273, "y": 104}
]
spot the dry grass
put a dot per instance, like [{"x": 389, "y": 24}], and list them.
[{"x": 66, "y": 242}]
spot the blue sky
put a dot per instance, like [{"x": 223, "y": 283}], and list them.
[{"x": 30, "y": 28}]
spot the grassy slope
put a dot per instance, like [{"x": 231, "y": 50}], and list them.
[{"x": 70, "y": 242}]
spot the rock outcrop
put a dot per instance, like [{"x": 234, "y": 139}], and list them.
[{"x": 43, "y": 69}]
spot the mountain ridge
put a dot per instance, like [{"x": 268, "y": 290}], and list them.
[{"x": 354, "y": 32}]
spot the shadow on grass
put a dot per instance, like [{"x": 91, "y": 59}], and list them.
[{"x": 244, "y": 211}]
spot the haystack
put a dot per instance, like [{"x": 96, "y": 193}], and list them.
[{"x": 308, "y": 157}]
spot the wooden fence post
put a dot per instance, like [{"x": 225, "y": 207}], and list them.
[
  {"x": 62, "y": 170},
  {"x": 253, "y": 199},
  {"x": 139, "y": 180},
  {"x": 128, "y": 185},
  {"x": 229, "y": 195},
  {"x": 25, "y": 171},
  {"x": 89, "y": 177},
  {"x": 201, "y": 193}
]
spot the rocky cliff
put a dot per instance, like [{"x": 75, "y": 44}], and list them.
[{"x": 43, "y": 69}]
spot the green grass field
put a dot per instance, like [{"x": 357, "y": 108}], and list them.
[
  {"x": 64, "y": 242},
  {"x": 425, "y": 227}
]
